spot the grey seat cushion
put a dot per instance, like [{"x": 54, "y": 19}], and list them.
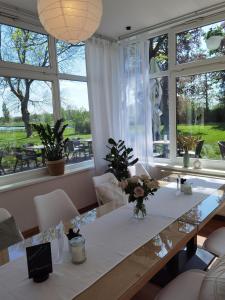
[
  {"x": 215, "y": 243},
  {"x": 9, "y": 233},
  {"x": 185, "y": 286}
]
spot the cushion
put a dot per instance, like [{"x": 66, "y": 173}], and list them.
[
  {"x": 216, "y": 242},
  {"x": 9, "y": 233},
  {"x": 110, "y": 192},
  {"x": 185, "y": 286},
  {"x": 213, "y": 286}
]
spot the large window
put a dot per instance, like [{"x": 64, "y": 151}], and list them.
[
  {"x": 32, "y": 97},
  {"x": 201, "y": 111},
  {"x": 200, "y": 100}
]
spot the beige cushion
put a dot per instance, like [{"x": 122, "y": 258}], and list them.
[
  {"x": 213, "y": 286},
  {"x": 110, "y": 192},
  {"x": 216, "y": 242},
  {"x": 185, "y": 286}
]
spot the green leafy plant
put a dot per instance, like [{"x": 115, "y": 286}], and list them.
[
  {"x": 119, "y": 158},
  {"x": 52, "y": 139},
  {"x": 214, "y": 32}
]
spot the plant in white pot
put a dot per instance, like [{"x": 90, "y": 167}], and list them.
[
  {"x": 214, "y": 37},
  {"x": 54, "y": 144}
]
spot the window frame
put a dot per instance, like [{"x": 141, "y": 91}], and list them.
[
  {"x": 177, "y": 70},
  {"x": 50, "y": 73}
]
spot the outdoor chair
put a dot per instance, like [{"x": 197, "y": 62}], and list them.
[
  {"x": 222, "y": 148},
  {"x": 24, "y": 156},
  {"x": 1, "y": 166},
  {"x": 198, "y": 149},
  {"x": 72, "y": 149}
]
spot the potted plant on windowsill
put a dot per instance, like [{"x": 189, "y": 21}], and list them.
[
  {"x": 214, "y": 37},
  {"x": 186, "y": 143},
  {"x": 53, "y": 142}
]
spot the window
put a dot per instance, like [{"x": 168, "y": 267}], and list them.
[
  {"x": 201, "y": 111},
  {"x": 160, "y": 116},
  {"x": 158, "y": 63},
  {"x": 32, "y": 97},
  {"x": 200, "y": 43},
  {"x": 22, "y": 102},
  {"x": 158, "y": 53},
  {"x": 71, "y": 58},
  {"x": 23, "y": 46},
  {"x": 75, "y": 108}
]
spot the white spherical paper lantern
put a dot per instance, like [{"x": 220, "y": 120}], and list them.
[{"x": 70, "y": 20}]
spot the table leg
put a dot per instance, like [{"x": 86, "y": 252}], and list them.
[{"x": 192, "y": 246}]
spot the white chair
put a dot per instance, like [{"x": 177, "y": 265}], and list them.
[
  {"x": 9, "y": 231},
  {"x": 54, "y": 207},
  {"x": 138, "y": 169},
  {"x": 215, "y": 243},
  {"x": 107, "y": 189},
  {"x": 185, "y": 286}
]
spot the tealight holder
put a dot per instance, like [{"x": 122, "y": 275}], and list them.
[{"x": 77, "y": 249}]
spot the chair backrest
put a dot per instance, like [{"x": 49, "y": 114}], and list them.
[
  {"x": 198, "y": 148},
  {"x": 9, "y": 231},
  {"x": 138, "y": 169},
  {"x": 222, "y": 148},
  {"x": 99, "y": 180},
  {"x": 54, "y": 207},
  {"x": 4, "y": 214}
]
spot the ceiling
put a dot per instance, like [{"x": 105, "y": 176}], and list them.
[{"x": 117, "y": 14}]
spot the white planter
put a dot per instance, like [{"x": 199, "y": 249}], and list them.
[{"x": 213, "y": 42}]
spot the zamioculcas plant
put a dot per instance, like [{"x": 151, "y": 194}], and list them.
[
  {"x": 120, "y": 158},
  {"x": 54, "y": 143},
  {"x": 52, "y": 139}
]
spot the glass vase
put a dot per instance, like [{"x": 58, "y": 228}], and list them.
[
  {"x": 186, "y": 160},
  {"x": 139, "y": 209}
]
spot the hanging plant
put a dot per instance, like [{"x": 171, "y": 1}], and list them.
[{"x": 214, "y": 37}]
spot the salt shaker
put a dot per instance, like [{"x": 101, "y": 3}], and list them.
[{"x": 77, "y": 246}]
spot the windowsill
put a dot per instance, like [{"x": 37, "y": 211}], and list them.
[
  {"x": 202, "y": 171},
  {"x": 27, "y": 178}
]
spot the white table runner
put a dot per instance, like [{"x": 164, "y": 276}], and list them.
[
  {"x": 110, "y": 239},
  {"x": 166, "y": 202}
]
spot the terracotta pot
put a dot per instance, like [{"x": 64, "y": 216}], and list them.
[{"x": 56, "y": 167}]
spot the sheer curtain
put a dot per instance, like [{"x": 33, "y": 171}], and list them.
[
  {"x": 103, "y": 90},
  {"x": 135, "y": 103}
]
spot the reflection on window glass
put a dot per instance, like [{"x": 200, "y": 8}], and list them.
[
  {"x": 22, "y": 102},
  {"x": 160, "y": 116},
  {"x": 23, "y": 46},
  {"x": 75, "y": 111},
  {"x": 71, "y": 58},
  {"x": 201, "y": 43},
  {"x": 201, "y": 112},
  {"x": 158, "y": 53}
]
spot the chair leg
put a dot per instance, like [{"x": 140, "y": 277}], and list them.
[{"x": 14, "y": 170}]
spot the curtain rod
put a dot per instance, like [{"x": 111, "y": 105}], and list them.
[{"x": 182, "y": 19}]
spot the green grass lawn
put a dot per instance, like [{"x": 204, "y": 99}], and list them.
[{"x": 210, "y": 133}]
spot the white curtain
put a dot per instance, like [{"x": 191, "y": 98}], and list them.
[
  {"x": 103, "y": 90},
  {"x": 136, "y": 109}
]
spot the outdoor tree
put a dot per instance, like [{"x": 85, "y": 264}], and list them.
[
  {"x": 6, "y": 113},
  {"x": 26, "y": 47}
]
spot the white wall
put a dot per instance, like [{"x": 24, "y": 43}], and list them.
[{"x": 19, "y": 201}]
